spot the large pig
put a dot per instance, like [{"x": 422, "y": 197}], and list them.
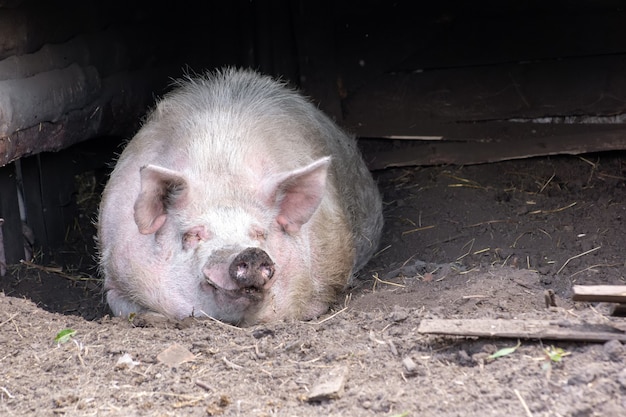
[{"x": 237, "y": 199}]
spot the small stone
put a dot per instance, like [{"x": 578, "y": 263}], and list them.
[
  {"x": 329, "y": 386},
  {"x": 409, "y": 365},
  {"x": 621, "y": 378},
  {"x": 614, "y": 350},
  {"x": 175, "y": 355},
  {"x": 126, "y": 362},
  {"x": 464, "y": 359},
  {"x": 262, "y": 332},
  {"x": 582, "y": 377},
  {"x": 399, "y": 314}
]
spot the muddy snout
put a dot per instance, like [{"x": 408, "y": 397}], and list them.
[{"x": 252, "y": 268}]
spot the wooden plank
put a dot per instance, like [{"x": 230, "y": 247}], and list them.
[
  {"x": 33, "y": 202},
  {"x": 454, "y": 103},
  {"x": 515, "y": 142},
  {"x": 3, "y": 258},
  {"x": 27, "y": 28},
  {"x": 618, "y": 310},
  {"x": 109, "y": 51},
  {"x": 49, "y": 188},
  {"x": 319, "y": 76},
  {"x": 601, "y": 293},
  {"x": 523, "y": 329},
  {"x": 376, "y": 38},
  {"x": 275, "y": 46},
  {"x": 12, "y": 239},
  {"x": 45, "y": 97},
  {"x": 483, "y": 33},
  {"x": 125, "y": 97}
]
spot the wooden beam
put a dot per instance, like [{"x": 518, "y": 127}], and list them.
[
  {"x": 523, "y": 329},
  {"x": 12, "y": 244},
  {"x": 117, "y": 111},
  {"x": 519, "y": 141},
  {"x": 600, "y": 293},
  {"x": 315, "y": 37},
  {"x": 456, "y": 103},
  {"x": 46, "y": 97},
  {"x": 28, "y": 27}
]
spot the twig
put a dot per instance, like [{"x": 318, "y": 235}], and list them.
[
  {"x": 9, "y": 319},
  {"x": 465, "y": 272},
  {"x": 519, "y": 237},
  {"x": 555, "y": 210},
  {"x": 387, "y": 282},
  {"x": 471, "y": 245},
  {"x": 593, "y": 266},
  {"x": 577, "y": 256},
  {"x": 6, "y": 391},
  {"x": 521, "y": 400},
  {"x": 204, "y": 385},
  {"x": 49, "y": 269},
  {"x": 547, "y": 182},
  {"x": 486, "y": 223},
  {"x": 17, "y": 329},
  {"x": 331, "y": 316},
  {"x": 419, "y": 229},
  {"x": 58, "y": 271},
  {"x": 231, "y": 364},
  {"x": 381, "y": 251},
  {"x": 230, "y": 326}
]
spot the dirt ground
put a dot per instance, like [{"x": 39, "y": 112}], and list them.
[{"x": 481, "y": 242}]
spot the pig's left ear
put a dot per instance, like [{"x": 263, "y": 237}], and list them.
[
  {"x": 161, "y": 188},
  {"x": 297, "y": 194}
]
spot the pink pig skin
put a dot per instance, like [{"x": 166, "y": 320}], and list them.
[{"x": 239, "y": 200}]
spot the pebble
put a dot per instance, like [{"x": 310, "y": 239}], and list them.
[
  {"x": 621, "y": 378},
  {"x": 409, "y": 365},
  {"x": 614, "y": 350},
  {"x": 330, "y": 385},
  {"x": 174, "y": 355}
]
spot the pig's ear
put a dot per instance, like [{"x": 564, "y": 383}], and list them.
[
  {"x": 297, "y": 194},
  {"x": 161, "y": 189}
]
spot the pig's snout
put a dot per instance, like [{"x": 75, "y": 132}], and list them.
[{"x": 252, "y": 269}]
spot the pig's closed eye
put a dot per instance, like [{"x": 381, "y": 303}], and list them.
[
  {"x": 258, "y": 234},
  {"x": 195, "y": 235}
]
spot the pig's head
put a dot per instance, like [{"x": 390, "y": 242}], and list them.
[{"x": 235, "y": 253}]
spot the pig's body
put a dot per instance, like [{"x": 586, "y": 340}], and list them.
[{"x": 227, "y": 204}]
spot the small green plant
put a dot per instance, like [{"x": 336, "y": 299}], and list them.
[
  {"x": 504, "y": 351},
  {"x": 64, "y": 335},
  {"x": 555, "y": 354},
  {"x": 552, "y": 355}
]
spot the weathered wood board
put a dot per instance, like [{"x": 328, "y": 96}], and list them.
[
  {"x": 603, "y": 293},
  {"x": 523, "y": 329}
]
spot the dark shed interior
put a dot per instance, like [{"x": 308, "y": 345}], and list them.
[{"x": 420, "y": 83}]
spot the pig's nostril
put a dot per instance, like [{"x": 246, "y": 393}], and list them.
[
  {"x": 267, "y": 271},
  {"x": 241, "y": 269}
]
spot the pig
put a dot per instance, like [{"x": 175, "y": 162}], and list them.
[{"x": 237, "y": 199}]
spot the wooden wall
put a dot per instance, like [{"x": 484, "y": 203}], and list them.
[{"x": 441, "y": 82}]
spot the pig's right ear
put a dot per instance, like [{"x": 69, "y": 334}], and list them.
[
  {"x": 161, "y": 189},
  {"x": 297, "y": 194}
]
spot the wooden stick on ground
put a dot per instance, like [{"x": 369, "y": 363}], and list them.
[
  {"x": 523, "y": 329},
  {"x": 605, "y": 293}
]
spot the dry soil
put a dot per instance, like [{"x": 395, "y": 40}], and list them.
[{"x": 476, "y": 242}]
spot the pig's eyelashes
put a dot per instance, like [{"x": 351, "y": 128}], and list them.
[{"x": 258, "y": 234}]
